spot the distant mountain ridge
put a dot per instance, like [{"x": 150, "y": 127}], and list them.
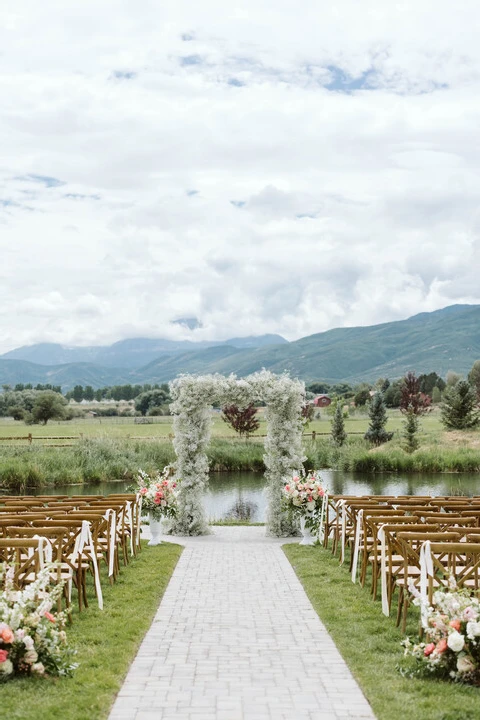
[
  {"x": 447, "y": 339},
  {"x": 130, "y": 353}
]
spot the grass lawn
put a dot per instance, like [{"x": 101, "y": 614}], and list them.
[
  {"x": 107, "y": 642},
  {"x": 370, "y": 644}
]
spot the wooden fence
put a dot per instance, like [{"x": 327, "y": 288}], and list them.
[{"x": 46, "y": 439}]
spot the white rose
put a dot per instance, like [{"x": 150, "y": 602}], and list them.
[
  {"x": 311, "y": 505},
  {"x": 6, "y": 667},
  {"x": 473, "y": 629},
  {"x": 455, "y": 641},
  {"x": 30, "y": 657},
  {"x": 465, "y": 664}
]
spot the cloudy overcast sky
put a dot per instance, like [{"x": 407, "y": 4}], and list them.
[{"x": 262, "y": 166}]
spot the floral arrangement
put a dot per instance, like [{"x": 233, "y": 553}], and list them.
[
  {"x": 158, "y": 491},
  {"x": 451, "y": 647},
  {"x": 32, "y": 636},
  {"x": 304, "y": 496},
  {"x": 193, "y": 397}
]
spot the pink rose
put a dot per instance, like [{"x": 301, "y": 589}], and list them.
[
  {"x": 429, "y": 649},
  {"x": 50, "y": 617},
  {"x": 6, "y": 634},
  {"x": 441, "y": 645},
  {"x": 143, "y": 491},
  {"x": 3, "y": 656},
  {"x": 455, "y": 624}
]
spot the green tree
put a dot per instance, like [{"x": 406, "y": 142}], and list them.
[
  {"x": 411, "y": 426},
  {"x": 338, "y": 434},
  {"x": 318, "y": 388},
  {"x": 377, "y": 412},
  {"x": 150, "y": 399},
  {"x": 436, "y": 395},
  {"x": 89, "y": 393},
  {"x": 474, "y": 377},
  {"x": 393, "y": 394},
  {"x": 17, "y": 412},
  {"x": 452, "y": 378},
  {"x": 459, "y": 407},
  {"x": 362, "y": 396},
  {"x": 428, "y": 382},
  {"x": 77, "y": 393},
  {"x": 48, "y": 405}
]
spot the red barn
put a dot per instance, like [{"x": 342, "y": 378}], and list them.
[{"x": 322, "y": 401}]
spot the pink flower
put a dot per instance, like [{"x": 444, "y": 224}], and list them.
[
  {"x": 441, "y": 645},
  {"x": 429, "y": 649},
  {"x": 6, "y": 633},
  {"x": 143, "y": 491},
  {"x": 50, "y": 617},
  {"x": 287, "y": 487},
  {"x": 3, "y": 656},
  {"x": 455, "y": 624}
]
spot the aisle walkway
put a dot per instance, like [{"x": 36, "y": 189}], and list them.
[{"x": 236, "y": 638}]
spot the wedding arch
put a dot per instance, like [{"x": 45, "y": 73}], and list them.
[{"x": 194, "y": 396}]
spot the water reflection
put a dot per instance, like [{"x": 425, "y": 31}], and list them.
[{"x": 231, "y": 494}]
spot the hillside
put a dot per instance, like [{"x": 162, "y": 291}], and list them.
[
  {"x": 443, "y": 340},
  {"x": 130, "y": 353}
]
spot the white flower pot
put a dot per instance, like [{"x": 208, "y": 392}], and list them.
[
  {"x": 155, "y": 530},
  {"x": 307, "y": 537}
]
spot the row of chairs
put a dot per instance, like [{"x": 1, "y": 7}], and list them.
[
  {"x": 386, "y": 537},
  {"x": 77, "y": 533}
]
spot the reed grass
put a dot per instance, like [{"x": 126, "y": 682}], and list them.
[{"x": 105, "y": 458}]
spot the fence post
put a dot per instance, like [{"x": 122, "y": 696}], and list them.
[
  {"x": 314, "y": 435},
  {"x": 30, "y": 438}
]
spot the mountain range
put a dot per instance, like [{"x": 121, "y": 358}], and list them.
[{"x": 447, "y": 339}]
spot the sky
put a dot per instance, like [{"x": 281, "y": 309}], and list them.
[{"x": 263, "y": 167}]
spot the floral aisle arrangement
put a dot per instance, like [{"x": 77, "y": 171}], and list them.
[
  {"x": 32, "y": 636},
  {"x": 451, "y": 646},
  {"x": 158, "y": 491},
  {"x": 306, "y": 497}
]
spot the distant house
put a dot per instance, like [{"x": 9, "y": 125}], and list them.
[{"x": 322, "y": 401}]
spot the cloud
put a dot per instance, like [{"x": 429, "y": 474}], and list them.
[{"x": 268, "y": 168}]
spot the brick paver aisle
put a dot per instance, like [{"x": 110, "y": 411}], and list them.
[{"x": 236, "y": 638}]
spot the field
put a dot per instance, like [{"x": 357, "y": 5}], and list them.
[{"x": 161, "y": 427}]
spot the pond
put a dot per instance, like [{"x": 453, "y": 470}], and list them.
[{"x": 240, "y": 495}]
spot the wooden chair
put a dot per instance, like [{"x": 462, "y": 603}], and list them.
[
  {"x": 24, "y": 555},
  {"x": 408, "y": 546},
  {"x": 57, "y": 539}
]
